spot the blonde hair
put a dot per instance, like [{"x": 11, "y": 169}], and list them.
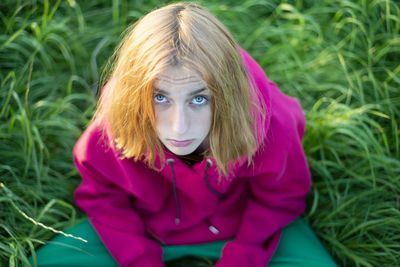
[{"x": 183, "y": 34}]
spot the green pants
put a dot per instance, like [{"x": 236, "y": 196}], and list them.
[{"x": 298, "y": 247}]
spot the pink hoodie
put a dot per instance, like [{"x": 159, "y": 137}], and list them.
[{"x": 134, "y": 209}]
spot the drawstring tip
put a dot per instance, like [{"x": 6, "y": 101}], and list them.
[
  {"x": 213, "y": 230},
  {"x": 177, "y": 221}
]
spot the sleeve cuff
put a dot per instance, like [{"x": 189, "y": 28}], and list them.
[{"x": 235, "y": 254}]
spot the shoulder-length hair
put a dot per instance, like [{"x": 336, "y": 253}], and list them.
[{"x": 183, "y": 34}]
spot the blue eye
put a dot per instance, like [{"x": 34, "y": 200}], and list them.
[
  {"x": 160, "y": 99},
  {"x": 199, "y": 100}
]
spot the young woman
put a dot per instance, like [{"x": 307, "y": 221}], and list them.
[{"x": 192, "y": 151}]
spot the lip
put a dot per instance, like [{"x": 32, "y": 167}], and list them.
[{"x": 182, "y": 143}]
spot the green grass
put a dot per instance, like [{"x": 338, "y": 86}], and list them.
[{"x": 341, "y": 59}]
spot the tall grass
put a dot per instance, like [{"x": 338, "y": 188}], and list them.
[{"x": 339, "y": 58}]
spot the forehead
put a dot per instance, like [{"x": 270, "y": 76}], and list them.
[{"x": 178, "y": 77}]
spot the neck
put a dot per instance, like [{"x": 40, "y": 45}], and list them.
[{"x": 194, "y": 157}]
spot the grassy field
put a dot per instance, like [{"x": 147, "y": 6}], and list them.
[{"x": 341, "y": 59}]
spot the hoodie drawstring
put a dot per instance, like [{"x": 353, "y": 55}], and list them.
[
  {"x": 177, "y": 204},
  {"x": 178, "y": 207},
  {"x": 209, "y": 163}
]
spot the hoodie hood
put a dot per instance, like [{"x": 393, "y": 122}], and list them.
[{"x": 261, "y": 122}]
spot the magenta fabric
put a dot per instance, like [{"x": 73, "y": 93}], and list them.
[{"x": 134, "y": 210}]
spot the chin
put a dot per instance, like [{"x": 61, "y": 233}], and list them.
[{"x": 182, "y": 151}]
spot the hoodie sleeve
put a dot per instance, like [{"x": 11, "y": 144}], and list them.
[
  {"x": 108, "y": 206},
  {"x": 278, "y": 181}
]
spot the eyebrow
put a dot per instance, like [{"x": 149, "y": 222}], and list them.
[{"x": 195, "y": 92}]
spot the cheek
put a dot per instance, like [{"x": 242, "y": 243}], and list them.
[
  {"x": 203, "y": 121},
  {"x": 161, "y": 120}
]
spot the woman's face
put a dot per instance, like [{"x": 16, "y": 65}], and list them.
[{"x": 182, "y": 106}]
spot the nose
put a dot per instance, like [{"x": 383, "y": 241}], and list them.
[{"x": 180, "y": 120}]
